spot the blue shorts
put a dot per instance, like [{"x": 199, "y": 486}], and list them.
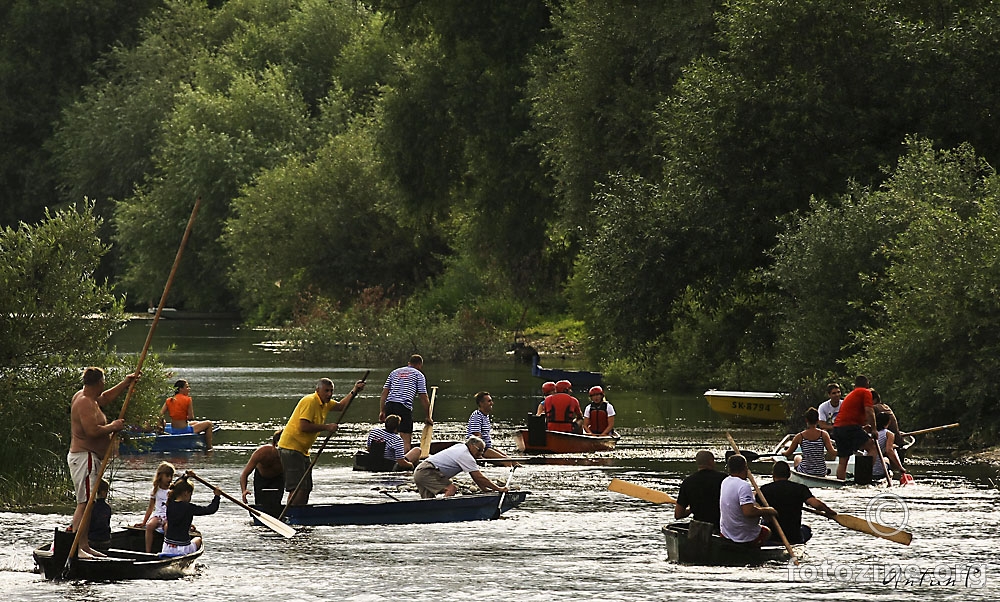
[
  {"x": 849, "y": 439},
  {"x": 169, "y": 430}
]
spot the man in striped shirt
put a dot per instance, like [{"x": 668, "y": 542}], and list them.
[
  {"x": 398, "y": 392},
  {"x": 480, "y": 424},
  {"x": 393, "y": 444}
]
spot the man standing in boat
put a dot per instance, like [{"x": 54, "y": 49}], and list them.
[
  {"x": 699, "y": 492},
  {"x": 829, "y": 409},
  {"x": 856, "y": 414},
  {"x": 787, "y": 498},
  {"x": 739, "y": 514},
  {"x": 268, "y": 477},
  {"x": 402, "y": 385},
  {"x": 306, "y": 422},
  {"x": 562, "y": 410},
  {"x": 91, "y": 437}
]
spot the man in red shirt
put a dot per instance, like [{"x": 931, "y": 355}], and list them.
[
  {"x": 562, "y": 409},
  {"x": 856, "y": 413}
]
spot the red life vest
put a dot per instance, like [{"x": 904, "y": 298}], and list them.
[
  {"x": 560, "y": 410},
  {"x": 598, "y": 417}
]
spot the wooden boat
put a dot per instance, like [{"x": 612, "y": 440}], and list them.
[
  {"x": 458, "y": 508},
  {"x": 581, "y": 379},
  {"x": 142, "y": 443},
  {"x": 555, "y": 442},
  {"x": 859, "y": 467},
  {"x": 127, "y": 559},
  {"x": 694, "y": 543},
  {"x": 747, "y": 406},
  {"x": 828, "y": 481}
]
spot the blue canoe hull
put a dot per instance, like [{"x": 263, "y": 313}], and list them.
[
  {"x": 459, "y": 508},
  {"x": 581, "y": 379},
  {"x": 144, "y": 443}
]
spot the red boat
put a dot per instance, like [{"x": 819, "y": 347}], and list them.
[{"x": 536, "y": 440}]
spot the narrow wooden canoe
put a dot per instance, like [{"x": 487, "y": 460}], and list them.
[
  {"x": 747, "y": 406},
  {"x": 557, "y": 442},
  {"x": 151, "y": 443},
  {"x": 699, "y": 546},
  {"x": 458, "y": 508},
  {"x": 816, "y": 481},
  {"x": 581, "y": 379},
  {"x": 127, "y": 559}
]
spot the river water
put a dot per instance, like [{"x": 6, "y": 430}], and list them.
[{"x": 571, "y": 539}]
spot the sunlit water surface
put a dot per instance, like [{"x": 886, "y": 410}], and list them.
[{"x": 571, "y": 539}]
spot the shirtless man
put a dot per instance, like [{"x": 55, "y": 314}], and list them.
[
  {"x": 268, "y": 477},
  {"x": 91, "y": 438}
]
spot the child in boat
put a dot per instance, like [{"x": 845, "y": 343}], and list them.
[
  {"x": 886, "y": 440},
  {"x": 99, "y": 532},
  {"x": 156, "y": 513},
  {"x": 816, "y": 445},
  {"x": 177, "y": 540}
]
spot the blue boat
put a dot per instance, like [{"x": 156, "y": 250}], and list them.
[
  {"x": 457, "y": 508},
  {"x": 144, "y": 443},
  {"x": 581, "y": 379}
]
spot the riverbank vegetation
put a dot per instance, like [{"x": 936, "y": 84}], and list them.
[{"x": 742, "y": 194}]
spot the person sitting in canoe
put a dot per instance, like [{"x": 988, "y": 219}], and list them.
[
  {"x": 699, "y": 492},
  {"x": 787, "y": 498},
  {"x": 392, "y": 444},
  {"x": 177, "y": 540},
  {"x": 599, "y": 416},
  {"x": 481, "y": 426},
  {"x": 829, "y": 409},
  {"x": 562, "y": 410},
  {"x": 548, "y": 388},
  {"x": 268, "y": 477},
  {"x": 434, "y": 474},
  {"x": 886, "y": 441},
  {"x": 180, "y": 408},
  {"x": 739, "y": 514},
  {"x": 817, "y": 447}
]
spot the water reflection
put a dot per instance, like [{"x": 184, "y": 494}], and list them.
[{"x": 572, "y": 538}]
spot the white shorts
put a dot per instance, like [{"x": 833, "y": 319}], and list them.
[
  {"x": 83, "y": 468},
  {"x": 170, "y": 549}
]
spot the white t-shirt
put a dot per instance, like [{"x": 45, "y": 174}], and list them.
[
  {"x": 827, "y": 412},
  {"x": 734, "y": 493},
  {"x": 453, "y": 460}
]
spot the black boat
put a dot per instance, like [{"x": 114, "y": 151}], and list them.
[
  {"x": 126, "y": 559},
  {"x": 695, "y": 543}
]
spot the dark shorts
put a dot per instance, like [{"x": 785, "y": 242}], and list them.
[
  {"x": 405, "y": 415},
  {"x": 849, "y": 439},
  {"x": 267, "y": 490},
  {"x": 295, "y": 465}
]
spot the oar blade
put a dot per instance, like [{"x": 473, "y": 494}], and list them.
[
  {"x": 638, "y": 491},
  {"x": 872, "y": 528},
  {"x": 428, "y": 433},
  {"x": 274, "y": 524}
]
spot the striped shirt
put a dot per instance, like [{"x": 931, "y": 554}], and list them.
[
  {"x": 393, "y": 443},
  {"x": 878, "y": 468},
  {"x": 404, "y": 384},
  {"x": 479, "y": 423},
  {"x": 813, "y": 457}
]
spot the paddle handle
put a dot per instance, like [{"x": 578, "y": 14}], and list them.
[
  {"x": 930, "y": 430},
  {"x": 85, "y": 519},
  {"x": 191, "y": 475},
  {"x": 503, "y": 494},
  {"x": 353, "y": 395},
  {"x": 777, "y": 525}
]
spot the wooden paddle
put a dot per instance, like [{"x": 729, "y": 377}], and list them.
[
  {"x": 510, "y": 475},
  {"x": 428, "y": 434},
  {"x": 85, "y": 520},
  {"x": 269, "y": 521},
  {"x": 869, "y": 527},
  {"x": 930, "y": 430},
  {"x": 298, "y": 485},
  {"x": 638, "y": 491},
  {"x": 774, "y": 521}
]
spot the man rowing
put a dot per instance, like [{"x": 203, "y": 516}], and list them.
[
  {"x": 739, "y": 514},
  {"x": 699, "y": 492},
  {"x": 787, "y": 498}
]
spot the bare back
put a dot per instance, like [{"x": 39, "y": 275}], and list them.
[
  {"x": 86, "y": 418},
  {"x": 267, "y": 461}
]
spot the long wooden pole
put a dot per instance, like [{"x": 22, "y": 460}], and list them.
[
  {"x": 777, "y": 525},
  {"x": 85, "y": 520},
  {"x": 298, "y": 485},
  {"x": 930, "y": 430}
]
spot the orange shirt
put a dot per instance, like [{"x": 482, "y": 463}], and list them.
[
  {"x": 178, "y": 407},
  {"x": 852, "y": 409}
]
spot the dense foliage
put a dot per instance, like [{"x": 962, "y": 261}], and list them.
[
  {"x": 726, "y": 193},
  {"x": 55, "y": 319}
]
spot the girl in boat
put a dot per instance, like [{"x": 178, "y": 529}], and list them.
[
  {"x": 816, "y": 447},
  {"x": 886, "y": 440},
  {"x": 180, "y": 408},
  {"x": 177, "y": 540},
  {"x": 156, "y": 513}
]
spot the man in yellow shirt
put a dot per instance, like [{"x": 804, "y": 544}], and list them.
[{"x": 299, "y": 434}]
